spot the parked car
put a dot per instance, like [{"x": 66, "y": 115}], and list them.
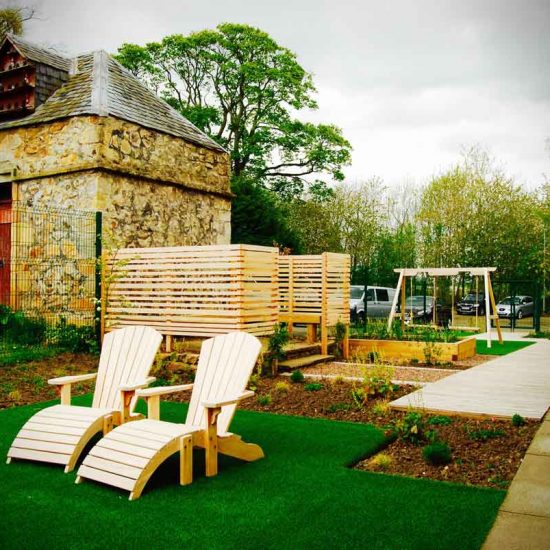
[
  {"x": 421, "y": 309},
  {"x": 471, "y": 302},
  {"x": 379, "y": 301},
  {"x": 520, "y": 306}
]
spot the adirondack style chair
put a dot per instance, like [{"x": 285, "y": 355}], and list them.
[
  {"x": 128, "y": 456},
  {"x": 58, "y": 434}
]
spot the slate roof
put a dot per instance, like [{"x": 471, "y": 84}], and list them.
[
  {"x": 100, "y": 85},
  {"x": 39, "y": 54}
]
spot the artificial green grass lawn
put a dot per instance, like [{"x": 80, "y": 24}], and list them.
[
  {"x": 301, "y": 495},
  {"x": 500, "y": 349}
]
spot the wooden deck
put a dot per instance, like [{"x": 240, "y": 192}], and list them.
[{"x": 515, "y": 383}]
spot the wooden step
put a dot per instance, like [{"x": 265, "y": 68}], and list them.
[{"x": 307, "y": 361}]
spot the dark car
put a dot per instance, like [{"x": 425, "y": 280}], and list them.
[
  {"x": 421, "y": 309},
  {"x": 470, "y": 303}
]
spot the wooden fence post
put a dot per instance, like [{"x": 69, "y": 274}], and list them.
[{"x": 324, "y": 306}]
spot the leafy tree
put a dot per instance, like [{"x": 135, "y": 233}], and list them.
[
  {"x": 474, "y": 215},
  {"x": 351, "y": 221},
  {"x": 243, "y": 89},
  {"x": 12, "y": 20},
  {"x": 259, "y": 217}
]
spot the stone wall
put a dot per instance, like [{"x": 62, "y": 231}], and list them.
[
  {"x": 136, "y": 150},
  {"x": 89, "y": 142},
  {"x": 141, "y": 213}
]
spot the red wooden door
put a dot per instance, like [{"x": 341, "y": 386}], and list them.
[{"x": 5, "y": 251}]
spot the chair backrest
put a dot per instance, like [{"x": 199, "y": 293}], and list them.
[
  {"x": 225, "y": 365},
  {"x": 127, "y": 356}
]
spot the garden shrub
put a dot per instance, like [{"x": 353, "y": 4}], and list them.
[
  {"x": 484, "y": 434},
  {"x": 281, "y": 387},
  {"x": 335, "y": 407},
  {"x": 264, "y": 399},
  {"x": 339, "y": 334},
  {"x": 439, "y": 420},
  {"x": 313, "y": 386},
  {"x": 18, "y": 328},
  {"x": 437, "y": 454},
  {"x": 381, "y": 462},
  {"x": 412, "y": 427},
  {"x": 73, "y": 338},
  {"x": 297, "y": 376},
  {"x": 275, "y": 347},
  {"x": 518, "y": 420}
]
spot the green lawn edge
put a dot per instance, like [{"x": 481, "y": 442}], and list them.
[
  {"x": 301, "y": 495},
  {"x": 508, "y": 346}
]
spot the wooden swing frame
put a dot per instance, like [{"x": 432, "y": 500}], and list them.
[{"x": 484, "y": 272}]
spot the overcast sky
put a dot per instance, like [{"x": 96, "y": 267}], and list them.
[{"x": 410, "y": 82}]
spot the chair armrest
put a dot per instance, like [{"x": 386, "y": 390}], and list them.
[
  {"x": 152, "y": 396},
  {"x": 163, "y": 390},
  {"x": 137, "y": 385},
  {"x": 62, "y": 380},
  {"x": 217, "y": 404}
]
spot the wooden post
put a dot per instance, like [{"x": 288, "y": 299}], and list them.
[
  {"x": 168, "y": 343},
  {"x": 487, "y": 308},
  {"x": 290, "y": 294},
  {"x": 211, "y": 442},
  {"x": 324, "y": 307},
  {"x": 434, "y": 312},
  {"x": 403, "y": 293},
  {"x": 395, "y": 299},
  {"x": 186, "y": 460},
  {"x": 345, "y": 344},
  {"x": 494, "y": 306},
  {"x": 65, "y": 394}
]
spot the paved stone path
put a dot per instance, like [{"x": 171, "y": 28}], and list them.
[
  {"x": 523, "y": 522},
  {"x": 515, "y": 383}
]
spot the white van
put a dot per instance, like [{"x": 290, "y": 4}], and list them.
[{"x": 379, "y": 301}]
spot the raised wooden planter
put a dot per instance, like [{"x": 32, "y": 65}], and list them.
[{"x": 402, "y": 349}]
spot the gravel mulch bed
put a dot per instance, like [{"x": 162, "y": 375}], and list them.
[{"x": 355, "y": 370}]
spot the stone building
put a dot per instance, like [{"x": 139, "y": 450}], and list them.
[{"x": 84, "y": 133}]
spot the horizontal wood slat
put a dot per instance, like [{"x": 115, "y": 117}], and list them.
[{"x": 193, "y": 291}]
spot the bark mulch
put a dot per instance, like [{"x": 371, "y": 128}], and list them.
[
  {"x": 27, "y": 383},
  {"x": 492, "y": 462}
]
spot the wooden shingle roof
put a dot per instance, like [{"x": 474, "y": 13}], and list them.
[{"x": 100, "y": 85}]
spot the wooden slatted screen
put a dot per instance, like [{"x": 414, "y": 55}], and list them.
[
  {"x": 315, "y": 289},
  {"x": 193, "y": 290}
]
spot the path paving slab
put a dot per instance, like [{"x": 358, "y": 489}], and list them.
[
  {"x": 530, "y": 490},
  {"x": 519, "y": 532}
]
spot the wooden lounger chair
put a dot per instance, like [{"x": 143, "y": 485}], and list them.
[
  {"x": 127, "y": 456},
  {"x": 58, "y": 434}
]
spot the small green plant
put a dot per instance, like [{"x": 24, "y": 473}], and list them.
[
  {"x": 275, "y": 347},
  {"x": 432, "y": 352},
  {"x": 381, "y": 409},
  {"x": 415, "y": 361},
  {"x": 281, "y": 387},
  {"x": 518, "y": 420},
  {"x": 335, "y": 407},
  {"x": 484, "y": 434},
  {"x": 412, "y": 427},
  {"x": 338, "y": 380},
  {"x": 381, "y": 462},
  {"x": 297, "y": 376},
  {"x": 378, "y": 381},
  {"x": 264, "y": 399},
  {"x": 439, "y": 420},
  {"x": 313, "y": 386},
  {"x": 38, "y": 382},
  {"x": 437, "y": 454},
  {"x": 14, "y": 395},
  {"x": 253, "y": 382}
]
